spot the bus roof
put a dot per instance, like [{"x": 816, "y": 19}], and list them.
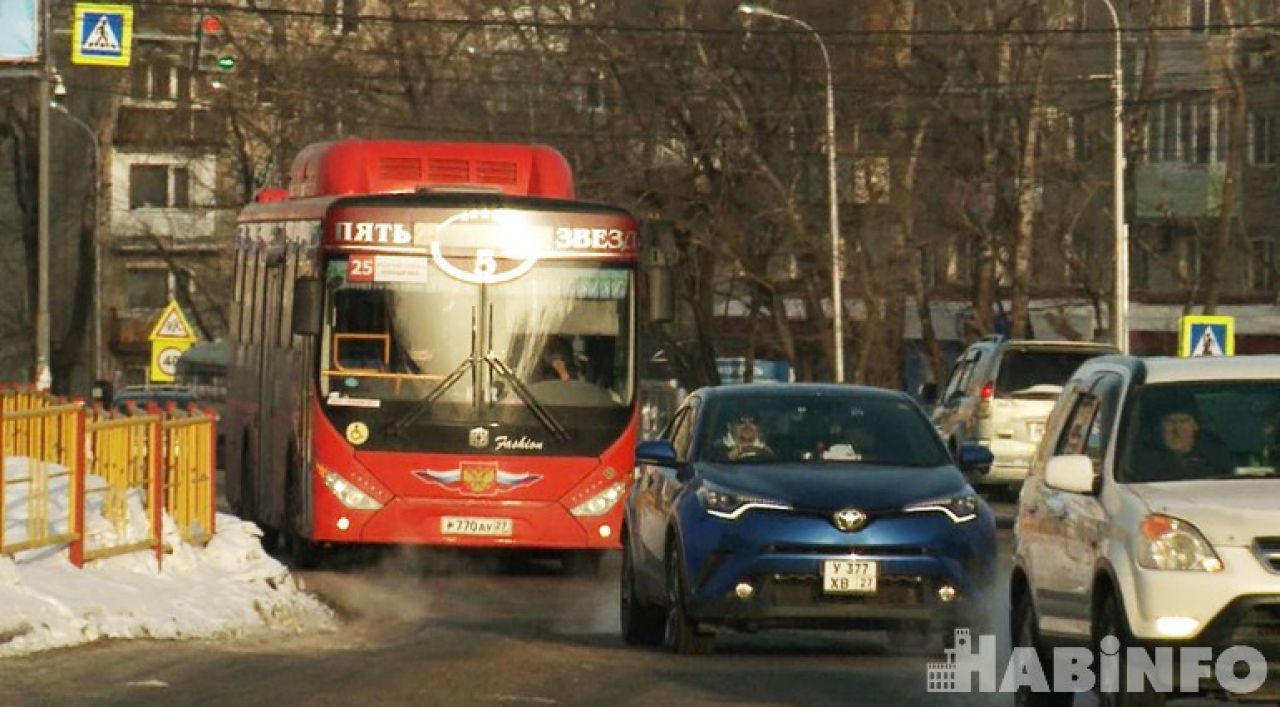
[{"x": 356, "y": 166}]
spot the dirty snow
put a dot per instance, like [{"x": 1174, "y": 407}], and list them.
[{"x": 228, "y": 588}]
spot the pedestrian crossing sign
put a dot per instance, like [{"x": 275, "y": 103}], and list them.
[
  {"x": 1207, "y": 336},
  {"x": 102, "y": 34}
]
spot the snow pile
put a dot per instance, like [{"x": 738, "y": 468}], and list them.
[{"x": 230, "y": 587}]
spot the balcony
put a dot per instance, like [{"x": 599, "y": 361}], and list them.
[{"x": 1176, "y": 190}]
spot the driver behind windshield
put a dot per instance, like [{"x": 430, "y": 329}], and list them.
[
  {"x": 1174, "y": 446},
  {"x": 743, "y": 440}
]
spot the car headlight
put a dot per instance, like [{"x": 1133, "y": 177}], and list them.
[
  {"x": 347, "y": 493},
  {"x": 1166, "y": 543},
  {"x": 600, "y": 503},
  {"x": 959, "y": 509},
  {"x": 728, "y": 504}
]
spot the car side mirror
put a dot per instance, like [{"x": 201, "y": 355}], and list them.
[
  {"x": 1073, "y": 473},
  {"x": 662, "y": 307},
  {"x": 928, "y": 393},
  {"x": 307, "y": 298},
  {"x": 656, "y": 451},
  {"x": 974, "y": 458}
]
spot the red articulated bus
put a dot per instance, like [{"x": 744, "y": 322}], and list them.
[{"x": 433, "y": 344}]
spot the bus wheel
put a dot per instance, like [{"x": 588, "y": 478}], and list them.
[
  {"x": 582, "y": 563},
  {"x": 244, "y": 499},
  {"x": 304, "y": 553}
]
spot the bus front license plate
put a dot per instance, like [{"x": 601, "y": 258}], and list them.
[
  {"x": 848, "y": 577},
  {"x": 461, "y": 525}
]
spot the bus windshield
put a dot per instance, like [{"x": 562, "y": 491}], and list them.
[{"x": 563, "y": 331}]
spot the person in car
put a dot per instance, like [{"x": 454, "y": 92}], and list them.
[
  {"x": 1182, "y": 449},
  {"x": 743, "y": 440}
]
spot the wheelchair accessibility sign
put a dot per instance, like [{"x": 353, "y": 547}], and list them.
[
  {"x": 102, "y": 35},
  {"x": 1207, "y": 336}
]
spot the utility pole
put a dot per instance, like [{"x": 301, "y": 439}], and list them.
[{"x": 43, "y": 375}]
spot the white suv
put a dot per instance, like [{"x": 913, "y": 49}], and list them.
[
  {"x": 1152, "y": 509},
  {"x": 999, "y": 394}
]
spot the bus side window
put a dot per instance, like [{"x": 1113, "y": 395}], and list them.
[
  {"x": 237, "y": 295},
  {"x": 259, "y": 293},
  {"x": 286, "y": 298},
  {"x": 248, "y": 294}
]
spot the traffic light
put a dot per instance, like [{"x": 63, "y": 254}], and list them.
[{"x": 213, "y": 51}]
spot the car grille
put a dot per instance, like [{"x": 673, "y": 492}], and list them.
[
  {"x": 1260, "y": 627},
  {"x": 1268, "y": 550},
  {"x": 805, "y": 589},
  {"x": 859, "y": 550}
]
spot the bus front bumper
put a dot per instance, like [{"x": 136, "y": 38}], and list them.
[{"x": 456, "y": 522}]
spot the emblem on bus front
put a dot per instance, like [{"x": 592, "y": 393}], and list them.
[{"x": 479, "y": 437}]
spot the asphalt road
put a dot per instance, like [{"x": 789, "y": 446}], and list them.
[{"x": 437, "y": 628}]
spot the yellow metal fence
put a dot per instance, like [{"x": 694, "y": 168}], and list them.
[{"x": 161, "y": 459}]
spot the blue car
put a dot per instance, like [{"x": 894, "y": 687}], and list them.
[{"x": 802, "y": 506}]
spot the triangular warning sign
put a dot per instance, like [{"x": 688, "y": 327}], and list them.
[
  {"x": 101, "y": 38},
  {"x": 172, "y": 325},
  {"x": 1208, "y": 344}
]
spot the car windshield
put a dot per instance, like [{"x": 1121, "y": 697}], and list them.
[
  {"x": 1192, "y": 431},
  {"x": 1020, "y": 370},
  {"x": 846, "y": 429}
]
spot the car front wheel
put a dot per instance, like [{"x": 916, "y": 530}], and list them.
[
  {"x": 1025, "y": 635},
  {"x": 681, "y": 634},
  {"x": 1109, "y": 620},
  {"x": 642, "y": 624}
]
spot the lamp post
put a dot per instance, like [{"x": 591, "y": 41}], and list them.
[
  {"x": 1120, "y": 303},
  {"x": 97, "y": 236},
  {"x": 837, "y": 305}
]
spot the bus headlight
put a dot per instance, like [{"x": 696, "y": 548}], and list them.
[
  {"x": 347, "y": 493},
  {"x": 600, "y": 503}
]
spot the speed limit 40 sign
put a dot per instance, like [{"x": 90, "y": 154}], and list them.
[{"x": 164, "y": 358}]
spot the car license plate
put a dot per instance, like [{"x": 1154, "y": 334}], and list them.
[
  {"x": 459, "y": 525},
  {"x": 848, "y": 577}
]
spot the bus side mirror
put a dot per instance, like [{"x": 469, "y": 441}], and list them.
[
  {"x": 307, "y": 299},
  {"x": 662, "y": 306}
]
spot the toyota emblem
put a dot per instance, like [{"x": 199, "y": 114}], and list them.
[
  {"x": 479, "y": 437},
  {"x": 849, "y": 519}
]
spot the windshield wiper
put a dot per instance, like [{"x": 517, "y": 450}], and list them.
[
  {"x": 500, "y": 367},
  {"x": 423, "y": 404}
]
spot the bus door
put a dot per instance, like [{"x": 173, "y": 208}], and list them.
[{"x": 267, "y": 487}]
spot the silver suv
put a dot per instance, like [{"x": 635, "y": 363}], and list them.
[
  {"x": 1152, "y": 510},
  {"x": 999, "y": 394}
]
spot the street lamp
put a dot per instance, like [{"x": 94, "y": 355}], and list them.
[
  {"x": 59, "y": 90},
  {"x": 837, "y": 307},
  {"x": 1120, "y": 305}
]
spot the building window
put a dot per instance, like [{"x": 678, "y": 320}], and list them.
[
  {"x": 342, "y": 16},
  {"x": 159, "y": 186},
  {"x": 928, "y": 268},
  {"x": 1203, "y": 132},
  {"x": 1262, "y": 264},
  {"x": 147, "y": 288},
  {"x": 1139, "y": 265},
  {"x": 160, "y": 80},
  {"x": 1205, "y": 16},
  {"x": 1169, "y": 131},
  {"x": 1082, "y": 139},
  {"x": 960, "y": 262},
  {"x": 1262, "y": 139}
]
